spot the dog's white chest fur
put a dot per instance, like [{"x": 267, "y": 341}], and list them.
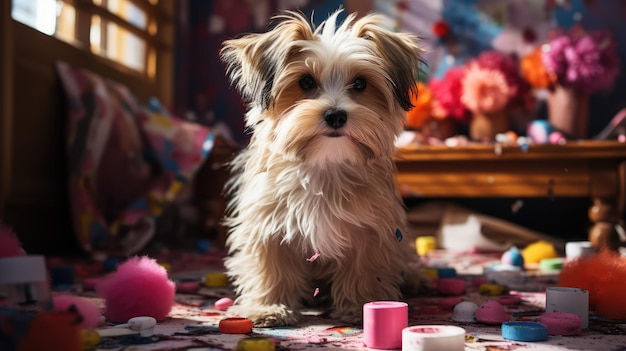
[
  {"x": 333, "y": 151},
  {"x": 313, "y": 206}
]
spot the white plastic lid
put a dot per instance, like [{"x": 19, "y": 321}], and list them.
[
  {"x": 465, "y": 312},
  {"x": 22, "y": 269}
]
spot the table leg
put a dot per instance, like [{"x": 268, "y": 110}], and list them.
[{"x": 604, "y": 216}]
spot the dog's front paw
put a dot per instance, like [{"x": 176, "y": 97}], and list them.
[{"x": 267, "y": 316}]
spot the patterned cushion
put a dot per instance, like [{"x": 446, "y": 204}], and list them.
[{"x": 126, "y": 161}]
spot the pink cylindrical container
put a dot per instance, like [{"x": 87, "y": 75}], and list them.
[{"x": 383, "y": 322}]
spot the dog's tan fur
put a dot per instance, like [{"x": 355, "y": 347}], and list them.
[{"x": 302, "y": 186}]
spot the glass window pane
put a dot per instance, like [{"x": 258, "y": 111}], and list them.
[
  {"x": 125, "y": 47},
  {"x": 51, "y": 17},
  {"x": 39, "y": 14},
  {"x": 128, "y": 11},
  {"x": 60, "y": 19},
  {"x": 66, "y": 22},
  {"x": 95, "y": 35}
]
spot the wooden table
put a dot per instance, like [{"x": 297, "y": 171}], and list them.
[{"x": 595, "y": 169}]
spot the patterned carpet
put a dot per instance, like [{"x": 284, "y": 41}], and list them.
[{"x": 193, "y": 323}]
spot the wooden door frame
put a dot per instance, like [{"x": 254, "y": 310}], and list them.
[{"x": 6, "y": 101}]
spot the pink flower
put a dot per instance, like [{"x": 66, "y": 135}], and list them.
[
  {"x": 484, "y": 90},
  {"x": 498, "y": 61},
  {"x": 588, "y": 62},
  {"x": 447, "y": 94}
]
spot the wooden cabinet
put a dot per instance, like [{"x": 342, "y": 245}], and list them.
[{"x": 593, "y": 169}]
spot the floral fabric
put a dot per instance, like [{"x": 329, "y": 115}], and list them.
[{"x": 125, "y": 161}]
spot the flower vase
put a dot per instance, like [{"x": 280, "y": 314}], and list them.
[
  {"x": 439, "y": 128},
  {"x": 485, "y": 125},
  {"x": 568, "y": 111}
]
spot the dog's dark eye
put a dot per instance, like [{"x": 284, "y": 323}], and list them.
[
  {"x": 359, "y": 84},
  {"x": 306, "y": 83}
]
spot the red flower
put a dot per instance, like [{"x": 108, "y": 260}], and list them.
[
  {"x": 441, "y": 29},
  {"x": 447, "y": 94}
]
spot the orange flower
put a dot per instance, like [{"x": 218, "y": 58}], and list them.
[
  {"x": 534, "y": 71},
  {"x": 422, "y": 107}
]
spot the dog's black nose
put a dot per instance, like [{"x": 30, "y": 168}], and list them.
[{"x": 335, "y": 118}]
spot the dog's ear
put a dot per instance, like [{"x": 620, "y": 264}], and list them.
[
  {"x": 252, "y": 61},
  {"x": 400, "y": 53}
]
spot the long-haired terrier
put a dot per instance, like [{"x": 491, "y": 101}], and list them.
[{"x": 314, "y": 205}]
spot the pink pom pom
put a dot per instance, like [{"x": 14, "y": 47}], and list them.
[
  {"x": 89, "y": 311},
  {"x": 139, "y": 287},
  {"x": 9, "y": 243}
]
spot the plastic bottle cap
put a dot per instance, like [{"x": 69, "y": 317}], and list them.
[
  {"x": 255, "y": 344},
  {"x": 464, "y": 312},
  {"x": 491, "y": 289},
  {"x": 433, "y": 338},
  {"x": 451, "y": 286},
  {"x": 187, "y": 286},
  {"x": 215, "y": 280},
  {"x": 425, "y": 244},
  {"x": 235, "y": 325},
  {"x": 561, "y": 323},
  {"x": 524, "y": 331},
  {"x": 144, "y": 325},
  {"x": 491, "y": 312}
]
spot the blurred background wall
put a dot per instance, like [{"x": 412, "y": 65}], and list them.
[{"x": 513, "y": 27}]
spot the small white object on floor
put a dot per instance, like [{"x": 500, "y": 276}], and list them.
[{"x": 143, "y": 325}]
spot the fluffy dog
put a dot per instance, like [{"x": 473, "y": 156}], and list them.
[{"x": 314, "y": 205}]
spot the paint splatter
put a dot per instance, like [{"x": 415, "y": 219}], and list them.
[
  {"x": 314, "y": 257},
  {"x": 342, "y": 331}
]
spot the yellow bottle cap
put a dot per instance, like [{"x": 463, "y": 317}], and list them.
[
  {"x": 215, "y": 280},
  {"x": 255, "y": 344},
  {"x": 432, "y": 273},
  {"x": 424, "y": 244},
  {"x": 90, "y": 339},
  {"x": 491, "y": 289}
]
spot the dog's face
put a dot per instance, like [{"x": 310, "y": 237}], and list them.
[{"x": 336, "y": 94}]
